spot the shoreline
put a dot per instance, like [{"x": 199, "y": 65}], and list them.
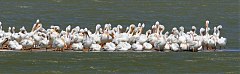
[{"x": 51, "y": 50}]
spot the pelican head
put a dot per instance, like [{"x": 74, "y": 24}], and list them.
[
  {"x": 37, "y": 21},
  {"x": 181, "y": 28},
  {"x": 119, "y": 26},
  {"x": 162, "y": 27},
  {"x": 68, "y": 28},
  {"x": 127, "y": 28},
  {"x": 9, "y": 28},
  {"x": 57, "y": 28},
  {"x": 86, "y": 31},
  {"x": 22, "y": 29},
  {"x": 194, "y": 28},
  {"x": 13, "y": 28},
  {"x": 157, "y": 23},
  {"x": 202, "y": 29},
  {"x": 98, "y": 26},
  {"x": 81, "y": 30},
  {"x": 219, "y": 27},
  {"x": 139, "y": 24},
  {"x": 174, "y": 30},
  {"x": 143, "y": 25}
]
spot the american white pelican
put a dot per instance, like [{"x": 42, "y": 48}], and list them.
[
  {"x": 123, "y": 46},
  {"x": 44, "y": 43},
  {"x": 27, "y": 44},
  {"x": 77, "y": 46},
  {"x": 194, "y": 30},
  {"x": 137, "y": 46},
  {"x": 14, "y": 45},
  {"x": 37, "y": 38},
  {"x": 3, "y": 42},
  {"x": 15, "y": 36},
  {"x": 106, "y": 37},
  {"x": 141, "y": 38},
  {"x": 147, "y": 46},
  {"x": 182, "y": 39},
  {"x": 96, "y": 36},
  {"x": 222, "y": 42},
  {"x": 23, "y": 32},
  {"x": 95, "y": 47},
  {"x": 174, "y": 40},
  {"x": 67, "y": 36},
  {"x": 109, "y": 46},
  {"x": 59, "y": 44},
  {"x": 87, "y": 41}
]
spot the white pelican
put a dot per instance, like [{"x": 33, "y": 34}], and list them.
[
  {"x": 3, "y": 42},
  {"x": 15, "y": 36},
  {"x": 87, "y": 41},
  {"x": 27, "y": 43},
  {"x": 37, "y": 38},
  {"x": 137, "y": 46},
  {"x": 109, "y": 46},
  {"x": 141, "y": 38},
  {"x": 95, "y": 47},
  {"x": 67, "y": 36},
  {"x": 23, "y": 32},
  {"x": 123, "y": 46},
  {"x": 174, "y": 39},
  {"x": 59, "y": 44},
  {"x": 182, "y": 39},
  {"x": 44, "y": 42},
  {"x": 222, "y": 42},
  {"x": 77, "y": 46},
  {"x": 14, "y": 45},
  {"x": 147, "y": 46},
  {"x": 96, "y": 36},
  {"x": 194, "y": 30},
  {"x": 77, "y": 37}
]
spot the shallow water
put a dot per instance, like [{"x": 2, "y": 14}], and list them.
[
  {"x": 88, "y": 13},
  {"x": 119, "y": 62}
]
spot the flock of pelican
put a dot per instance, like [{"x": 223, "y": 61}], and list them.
[{"x": 110, "y": 38}]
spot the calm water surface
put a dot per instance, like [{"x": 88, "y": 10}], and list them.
[
  {"x": 119, "y": 62},
  {"x": 88, "y": 13}
]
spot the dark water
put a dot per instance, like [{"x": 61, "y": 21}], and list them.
[
  {"x": 88, "y": 13},
  {"x": 119, "y": 62}
]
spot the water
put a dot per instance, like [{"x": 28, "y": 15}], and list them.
[
  {"x": 88, "y": 13},
  {"x": 119, "y": 62}
]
